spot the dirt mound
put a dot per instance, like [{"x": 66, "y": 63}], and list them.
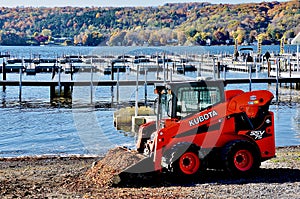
[{"x": 106, "y": 172}]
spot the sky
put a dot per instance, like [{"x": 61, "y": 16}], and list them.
[{"x": 106, "y": 3}]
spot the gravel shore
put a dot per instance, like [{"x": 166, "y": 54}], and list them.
[{"x": 67, "y": 177}]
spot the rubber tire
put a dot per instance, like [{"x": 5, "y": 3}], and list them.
[
  {"x": 241, "y": 157},
  {"x": 183, "y": 160}
]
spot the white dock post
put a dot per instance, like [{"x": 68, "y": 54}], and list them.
[
  {"x": 277, "y": 78},
  {"x": 3, "y": 74},
  {"x": 250, "y": 76},
  {"x": 199, "y": 70},
  {"x": 218, "y": 69},
  {"x": 20, "y": 81},
  {"x": 59, "y": 80},
  {"x": 256, "y": 66},
  {"x": 145, "y": 85},
  {"x": 118, "y": 86},
  {"x": 91, "y": 86},
  {"x": 112, "y": 87},
  {"x": 224, "y": 72},
  {"x": 137, "y": 92},
  {"x": 214, "y": 69},
  {"x": 298, "y": 57},
  {"x": 164, "y": 67},
  {"x": 157, "y": 64}
]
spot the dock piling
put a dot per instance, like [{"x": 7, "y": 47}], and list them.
[
  {"x": 214, "y": 69},
  {"x": 298, "y": 65},
  {"x": 250, "y": 76},
  {"x": 59, "y": 80},
  {"x": 145, "y": 85},
  {"x": 199, "y": 70},
  {"x": 218, "y": 69},
  {"x": 52, "y": 93},
  {"x": 118, "y": 86},
  {"x": 20, "y": 85},
  {"x": 91, "y": 86},
  {"x": 277, "y": 79},
  {"x": 157, "y": 64},
  {"x": 112, "y": 87},
  {"x": 3, "y": 74},
  {"x": 67, "y": 91},
  {"x": 164, "y": 67},
  {"x": 137, "y": 92},
  {"x": 269, "y": 68},
  {"x": 224, "y": 72}
]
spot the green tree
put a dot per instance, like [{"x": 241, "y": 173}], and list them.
[{"x": 11, "y": 39}]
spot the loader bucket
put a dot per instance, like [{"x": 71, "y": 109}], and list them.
[
  {"x": 119, "y": 166},
  {"x": 143, "y": 166}
]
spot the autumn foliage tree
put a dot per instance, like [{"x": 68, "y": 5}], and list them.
[{"x": 170, "y": 24}]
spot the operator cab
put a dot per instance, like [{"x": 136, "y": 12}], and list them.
[{"x": 179, "y": 100}]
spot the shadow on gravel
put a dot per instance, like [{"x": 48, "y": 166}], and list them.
[{"x": 280, "y": 175}]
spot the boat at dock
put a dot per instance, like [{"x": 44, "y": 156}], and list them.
[
  {"x": 45, "y": 67},
  {"x": 30, "y": 69},
  {"x": 152, "y": 61},
  {"x": 14, "y": 68},
  {"x": 182, "y": 68},
  {"x": 107, "y": 71},
  {"x": 120, "y": 67}
]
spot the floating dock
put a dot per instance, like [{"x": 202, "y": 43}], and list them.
[{"x": 122, "y": 63}]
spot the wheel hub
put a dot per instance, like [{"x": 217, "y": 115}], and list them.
[
  {"x": 189, "y": 163},
  {"x": 243, "y": 160}
]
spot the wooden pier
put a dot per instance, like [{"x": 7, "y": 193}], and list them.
[
  {"x": 140, "y": 82},
  {"x": 66, "y": 87}
]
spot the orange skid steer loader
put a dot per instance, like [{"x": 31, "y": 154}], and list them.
[{"x": 200, "y": 125}]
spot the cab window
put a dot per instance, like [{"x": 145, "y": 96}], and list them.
[{"x": 194, "y": 99}]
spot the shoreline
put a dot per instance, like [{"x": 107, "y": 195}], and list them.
[
  {"x": 66, "y": 177},
  {"x": 81, "y": 156}
]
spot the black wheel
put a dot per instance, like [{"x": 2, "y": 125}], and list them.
[
  {"x": 183, "y": 159},
  {"x": 241, "y": 157}
]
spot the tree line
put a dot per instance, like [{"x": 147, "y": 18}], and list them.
[{"x": 170, "y": 24}]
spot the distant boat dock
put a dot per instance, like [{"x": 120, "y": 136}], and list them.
[
  {"x": 281, "y": 69},
  {"x": 158, "y": 62}
]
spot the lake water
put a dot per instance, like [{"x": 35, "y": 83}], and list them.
[{"x": 36, "y": 128}]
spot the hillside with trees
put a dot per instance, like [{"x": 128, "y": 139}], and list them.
[{"x": 170, "y": 24}]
